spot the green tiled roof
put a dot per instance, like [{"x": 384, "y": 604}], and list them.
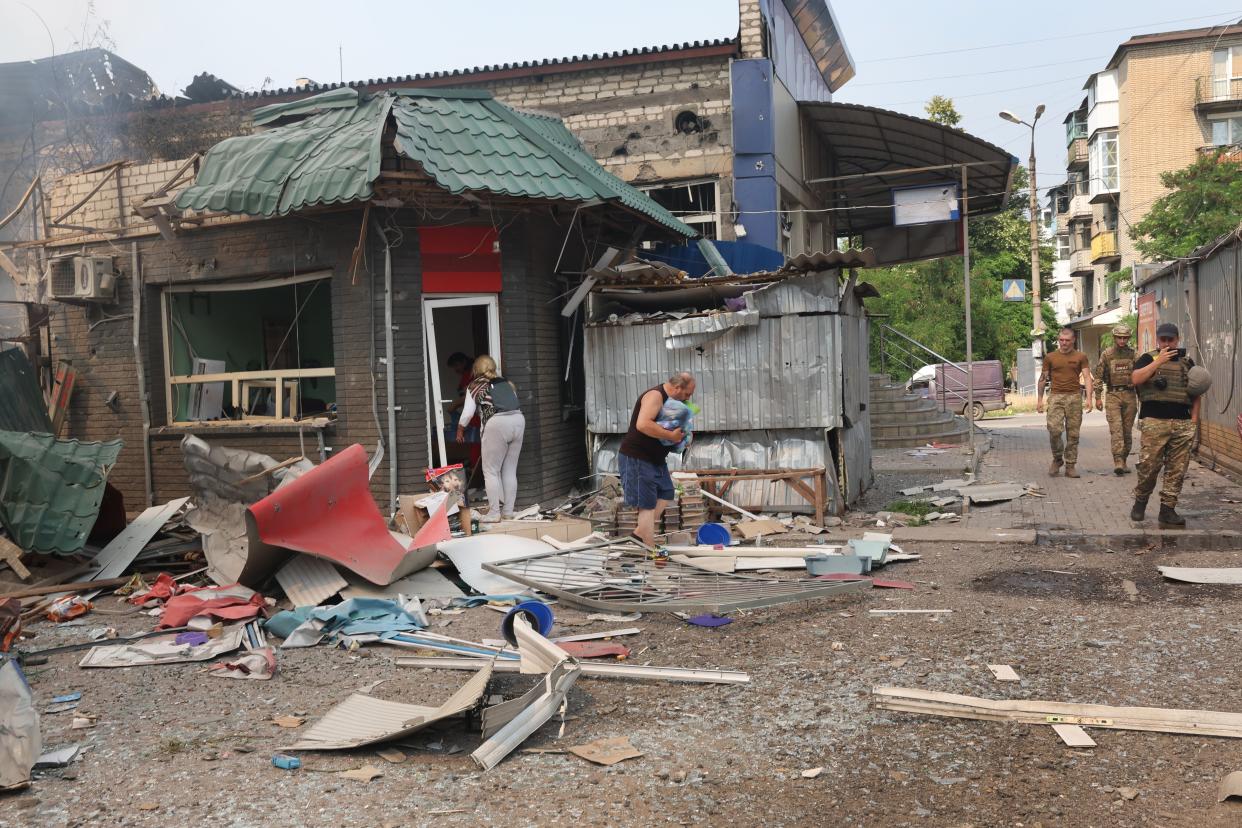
[
  {"x": 50, "y": 489},
  {"x": 463, "y": 139}
]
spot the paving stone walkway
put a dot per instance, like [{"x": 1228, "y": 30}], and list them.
[{"x": 1099, "y": 501}]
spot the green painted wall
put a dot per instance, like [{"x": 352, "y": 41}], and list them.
[{"x": 229, "y": 326}]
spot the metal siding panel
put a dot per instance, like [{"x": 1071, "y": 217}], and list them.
[
  {"x": 782, "y": 373},
  {"x": 1220, "y": 295}
]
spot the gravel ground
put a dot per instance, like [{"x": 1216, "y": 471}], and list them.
[{"x": 175, "y": 746}]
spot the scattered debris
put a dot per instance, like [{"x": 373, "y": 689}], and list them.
[
  {"x": 623, "y": 576},
  {"x": 909, "y": 611},
  {"x": 811, "y": 773},
  {"x": 308, "y": 581},
  {"x": 21, "y": 742},
  {"x": 607, "y": 751},
  {"x": 1160, "y": 720},
  {"x": 1003, "y": 672},
  {"x": 289, "y": 721},
  {"x": 284, "y": 762},
  {"x": 1131, "y": 589},
  {"x": 1230, "y": 787},
  {"x": 1202, "y": 575},
  {"x": 709, "y": 620},
  {"x": 162, "y": 650},
  {"x": 1073, "y": 735},
  {"x": 363, "y": 774},
  {"x": 365, "y": 720},
  {"x": 58, "y": 758}
]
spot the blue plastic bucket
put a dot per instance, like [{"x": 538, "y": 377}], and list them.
[
  {"x": 537, "y": 613},
  {"x": 713, "y": 534}
]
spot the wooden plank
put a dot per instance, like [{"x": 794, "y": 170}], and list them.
[
  {"x": 11, "y": 554},
  {"x": 1073, "y": 735},
  {"x": 77, "y": 586},
  {"x": 589, "y": 669},
  {"x": 1003, "y": 672},
  {"x": 1155, "y": 719}
]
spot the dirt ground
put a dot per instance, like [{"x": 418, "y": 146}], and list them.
[{"x": 175, "y": 746}]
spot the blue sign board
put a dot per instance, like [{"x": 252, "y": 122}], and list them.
[{"x": 1014, "y": 290}]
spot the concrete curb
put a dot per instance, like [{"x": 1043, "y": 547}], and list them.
[
  {"x": 1181, "y": 539},
  {"x": 961, "y": 534}
]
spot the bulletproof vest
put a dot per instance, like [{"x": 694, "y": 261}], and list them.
[
  {"x": 1174, "y": 391},
  {"x": 504, "y": 395},
  {"x": 1120, "y": 363}
]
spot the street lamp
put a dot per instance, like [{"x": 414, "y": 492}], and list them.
[{"x": 1036, "y": 306}]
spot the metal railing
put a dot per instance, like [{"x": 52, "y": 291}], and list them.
[
  {"x": 1076, "y": 154},
  {"x": 1213, "y": 89},
  {"x": 906, "y": 356}
]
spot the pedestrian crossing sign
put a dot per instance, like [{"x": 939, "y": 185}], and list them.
[{"x": 1014, "y": 290}]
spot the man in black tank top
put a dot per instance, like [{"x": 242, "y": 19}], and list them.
[{"x": 645, "y": 480}]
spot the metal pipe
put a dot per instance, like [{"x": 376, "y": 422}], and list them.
[
  {"x": 144, "y": 399},
  {"x": 970, "y": 346},
  {"x": 390, "y": 378}
]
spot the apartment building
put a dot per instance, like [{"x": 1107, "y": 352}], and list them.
[{"x": 1160, "y": 101}]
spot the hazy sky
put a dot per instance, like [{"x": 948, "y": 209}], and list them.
[{"x": 980, "y": 63}]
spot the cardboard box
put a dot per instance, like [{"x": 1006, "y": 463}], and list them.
[{"x": 562, "y": 528}]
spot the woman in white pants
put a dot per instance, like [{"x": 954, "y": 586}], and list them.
[{"x": 495, "y": 400}]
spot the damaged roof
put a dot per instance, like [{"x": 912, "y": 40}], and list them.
[
  {"x": 463, "y": 139},
  {"x": 50, "y": 490}
]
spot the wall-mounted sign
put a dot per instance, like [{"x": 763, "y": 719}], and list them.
[{"x": 925, "y": 205}]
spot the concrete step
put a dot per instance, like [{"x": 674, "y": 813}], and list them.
[
  {"x": 900, "y": 405},
  {"x": 918, "y": 429},
  {"x": 889, "y": 392},
  {"x": 953, "y": 438},
  {"x": 911, "y": 419}
]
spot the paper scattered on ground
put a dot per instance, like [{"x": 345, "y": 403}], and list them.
[
  {"x": 363, "y": 774},
  {"x": 607, "y": 751},
  {"x": 1004, "y": 672}
]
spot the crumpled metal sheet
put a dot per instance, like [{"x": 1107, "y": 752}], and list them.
[
  {"x": 220, "y": 500},
  {"x": 329, "y": 512},
  {"x": 783, "y": 449},
  {"x": 812, "y": 293},
  {"x": 695, "y": 331},
  {"x": 50, "y": 489}
]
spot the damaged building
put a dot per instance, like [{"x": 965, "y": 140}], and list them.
[
  {"x": 313, "y": 305},
  {"x": 322, "y": 301}
]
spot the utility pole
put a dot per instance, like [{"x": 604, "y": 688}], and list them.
[{"x": 1037, "y": 316}]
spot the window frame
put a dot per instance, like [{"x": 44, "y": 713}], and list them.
[
  {"x": 714, "y": 218},
  {"x": 235, "y": 378},
  {"x": 1095, "y": 159},
  {"x": 1228, "y": 119}
]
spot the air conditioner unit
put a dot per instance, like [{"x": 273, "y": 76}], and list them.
[
  {"x": 60, "y": 278},
  {"x": 93, "y": 279}
]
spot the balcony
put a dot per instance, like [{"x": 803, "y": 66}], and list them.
[
  {"x": 1076, "y": 155},
  {"x": 1080, "y": 263},
  {"x": 1213, "y": 94},
  {"x": 1227, "y": 152},
  {"x": 1080, "y": 207},
  {"x": 1104, "y": 246}
]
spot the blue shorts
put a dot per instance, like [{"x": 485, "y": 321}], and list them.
[{"x": 644, "y": 482}]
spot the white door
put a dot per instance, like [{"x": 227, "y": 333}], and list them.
[{"x": 444, "y": 334}]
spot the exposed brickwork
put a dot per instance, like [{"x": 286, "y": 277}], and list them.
[
  {"x": 750, "y": 29},
  {"x": 1160, "y": 130},
  {"x": 554, "y": 454}
]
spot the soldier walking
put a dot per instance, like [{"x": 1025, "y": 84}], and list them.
[
  {"x": 1167, "y": 421},
  {"x": 1064, "y": 367},
  {"x": 1121, "y": 405}
]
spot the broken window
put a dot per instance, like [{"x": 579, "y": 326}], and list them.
[
  {"x": 694, "y": 202},
  {"x": 260, "y": 351}
]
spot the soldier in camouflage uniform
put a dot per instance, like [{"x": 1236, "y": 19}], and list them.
[
  {"x": 1113, "y": 372},
  {"x": 1168, "y": 419}
]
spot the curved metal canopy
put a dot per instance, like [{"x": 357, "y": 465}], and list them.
[{"x": 880, "y": 147}]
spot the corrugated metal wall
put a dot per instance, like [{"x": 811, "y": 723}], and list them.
[
  {"x": 1214, "y": 344},
  {"x": 855, "y": 437},
  {"x": 782, "y": 373}
]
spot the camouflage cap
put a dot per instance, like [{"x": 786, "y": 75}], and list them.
[{"x": 1121, "y": 330}]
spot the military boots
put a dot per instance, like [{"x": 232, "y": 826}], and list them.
[
  {"x": 1169, "y": 517},
  {"x": 1139, "y": 510}
]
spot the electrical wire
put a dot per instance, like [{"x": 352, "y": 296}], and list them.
[{"x": 1039, "y": 39}]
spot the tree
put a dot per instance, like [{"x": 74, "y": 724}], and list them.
[
  {"x": 924, "y": 300},
  {"x": 941, "y": 110},
  {"x": 1205, "y": 202}
]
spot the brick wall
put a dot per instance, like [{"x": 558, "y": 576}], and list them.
[
  {"x": 99, "y": 341},
  {"x": 1160, "y": 130},
  {"x": 750, "y": 29}
]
